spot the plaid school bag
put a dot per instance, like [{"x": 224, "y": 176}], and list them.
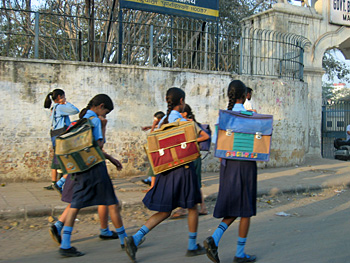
[
  {"x": 243, "y": 136},
  {"x": 76, "y": 148}
]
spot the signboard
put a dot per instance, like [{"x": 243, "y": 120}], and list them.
[
  {"x": 339, "y": 12},
  {"x": 199, "y": 9}
]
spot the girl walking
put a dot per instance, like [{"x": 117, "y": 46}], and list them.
[
  {"x": 188, "y": 115},
  {"x": 61, "y": 110},
  {"x": 174, "y": 188},
  {"x": 93, "y": 187},
  {"x": 237, "y": 191}
]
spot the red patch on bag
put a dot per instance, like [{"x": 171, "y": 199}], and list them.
[
  {"x": 161, "y": 159},
  {"x": 189, "y": 150},
  {"x": 173, "y": 140}
]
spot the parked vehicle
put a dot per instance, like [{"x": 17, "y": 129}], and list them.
[{"x": 342, "y": 151}]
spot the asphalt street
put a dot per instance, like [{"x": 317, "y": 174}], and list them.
[{"x": 312, "y": 227}]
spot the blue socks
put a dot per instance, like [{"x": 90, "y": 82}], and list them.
[
  {"x": 140, "y": 234},
  {"x": 121, "y": 234},
  {"x": 67, "y": 232},
  {"x": 61, "y": 182},
  {"x": 59, "y": 225},
  {"x": 106, "y": 232},
  {"x": 219, "y": 232},
  {"x": 192, "y": 241},
  {"x": 240, "y": 247}
]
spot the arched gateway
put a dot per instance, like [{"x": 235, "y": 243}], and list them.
[{"x": 325, "y": 24}]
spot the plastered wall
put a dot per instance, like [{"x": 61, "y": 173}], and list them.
[{"x": 137, "y": 92}]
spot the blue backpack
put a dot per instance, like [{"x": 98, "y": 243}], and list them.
[{"x": 205, "y": 145}]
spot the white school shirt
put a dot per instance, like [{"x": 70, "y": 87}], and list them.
[{"x": 249, "y": 104}]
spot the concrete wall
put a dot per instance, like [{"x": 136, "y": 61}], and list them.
[{"x": 137, "y": 92}]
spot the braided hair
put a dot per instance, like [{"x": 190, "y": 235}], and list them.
[
  {"x": 53, "y": 95},
  {"x": 236, "y": 90},
  {"x": 173, "y": 97},
  {"x": 96, "y": 101}
]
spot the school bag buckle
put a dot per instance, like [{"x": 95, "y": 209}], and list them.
[
  {"x": 229, "y": 132},
  {"x": 183, "y": 145},
  {"x": 258, "y": 135},
  {"x": 161, "y": 152}
]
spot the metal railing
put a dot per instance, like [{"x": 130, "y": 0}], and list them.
[{"x": 149, "y": 39}]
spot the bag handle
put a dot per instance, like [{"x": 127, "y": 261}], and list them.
[
  {"x": 248, "y": 113},
  {"x": 170, "y": 125}
]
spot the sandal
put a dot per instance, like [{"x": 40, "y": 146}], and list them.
[{"x": 180, "y": 213}]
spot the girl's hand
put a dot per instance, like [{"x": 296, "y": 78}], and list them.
[
  {"x": 62, "y": 100},
  {"x": 116, "y": 163},
  {"x": 103, "y": 120}
]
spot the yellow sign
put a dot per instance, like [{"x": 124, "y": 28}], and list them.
[{"x": 204, "y": 9}]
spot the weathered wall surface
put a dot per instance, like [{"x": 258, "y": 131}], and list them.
[{"x": 137, "y": 92}]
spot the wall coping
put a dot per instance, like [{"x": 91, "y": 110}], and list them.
[{"x": 106, "y": 65}]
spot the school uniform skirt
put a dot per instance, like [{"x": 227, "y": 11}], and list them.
[
  {"x": 237, "y": 189},
  {"x": 93, "y": 187},
  {"x": 67, "y": 192},
  {"x": 174, "y": 188}
]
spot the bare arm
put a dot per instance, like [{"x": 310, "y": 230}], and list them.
[
  {"x": 113, "y": 161},
  {"x": 203, "y": 136}
]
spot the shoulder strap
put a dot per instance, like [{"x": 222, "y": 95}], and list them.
[
  {"x": 92, "y": 117},
  {"x": 53, "y": 114}
]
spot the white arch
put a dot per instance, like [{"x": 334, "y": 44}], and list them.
[{"x": 332, "y": 39}]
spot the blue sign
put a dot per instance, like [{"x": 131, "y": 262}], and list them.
[{"x": 199, "y": 9}]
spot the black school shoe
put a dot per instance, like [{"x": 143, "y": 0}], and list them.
[
  {"x": 211, "y": 249},
  {"x": 145, "y": 181},
  {"x": 113, "y": 236},
  {"x": 70, "y": 252},
  {"x": 247, "y": 258},
  {"x": 54, "y": 234},
  {"x": 199, "y": 251},
  {"x": 130, "y": 248},
  {"x": 50, "y": 187}
]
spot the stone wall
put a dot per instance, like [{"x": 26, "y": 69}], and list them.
[{"x": 137, "y": 92}]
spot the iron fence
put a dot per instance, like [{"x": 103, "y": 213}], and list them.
[
  {"x": 149, "y": 39},
  {"x": 335, "y": 119}
]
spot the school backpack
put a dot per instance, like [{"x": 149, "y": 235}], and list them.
[
  {"x": 243, "y": 136},
  {"x": 173, "y": 145},
  {"x": 76, "y": 149},
  {"x": 205, "y": 145}
]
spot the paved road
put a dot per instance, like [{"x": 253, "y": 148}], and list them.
[{"x": 316, "y": 230}]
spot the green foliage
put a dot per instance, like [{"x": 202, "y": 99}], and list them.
[{"x": 335, "y": 69}]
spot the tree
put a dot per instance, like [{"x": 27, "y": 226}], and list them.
[
  {"x": 335, "y": 69},
  {"x": 67, "y": 32}
]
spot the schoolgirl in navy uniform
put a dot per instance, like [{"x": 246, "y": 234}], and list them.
[
  {"x": 174, "y": 188},
  {"x": 93, "y": 187},
  {"x": 188, "y": 115},
  {"x": 61, "y": 110},
  {"x": 237, "y": 191}
]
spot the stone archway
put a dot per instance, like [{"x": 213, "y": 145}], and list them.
[{"x": 314, "y": 21}]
